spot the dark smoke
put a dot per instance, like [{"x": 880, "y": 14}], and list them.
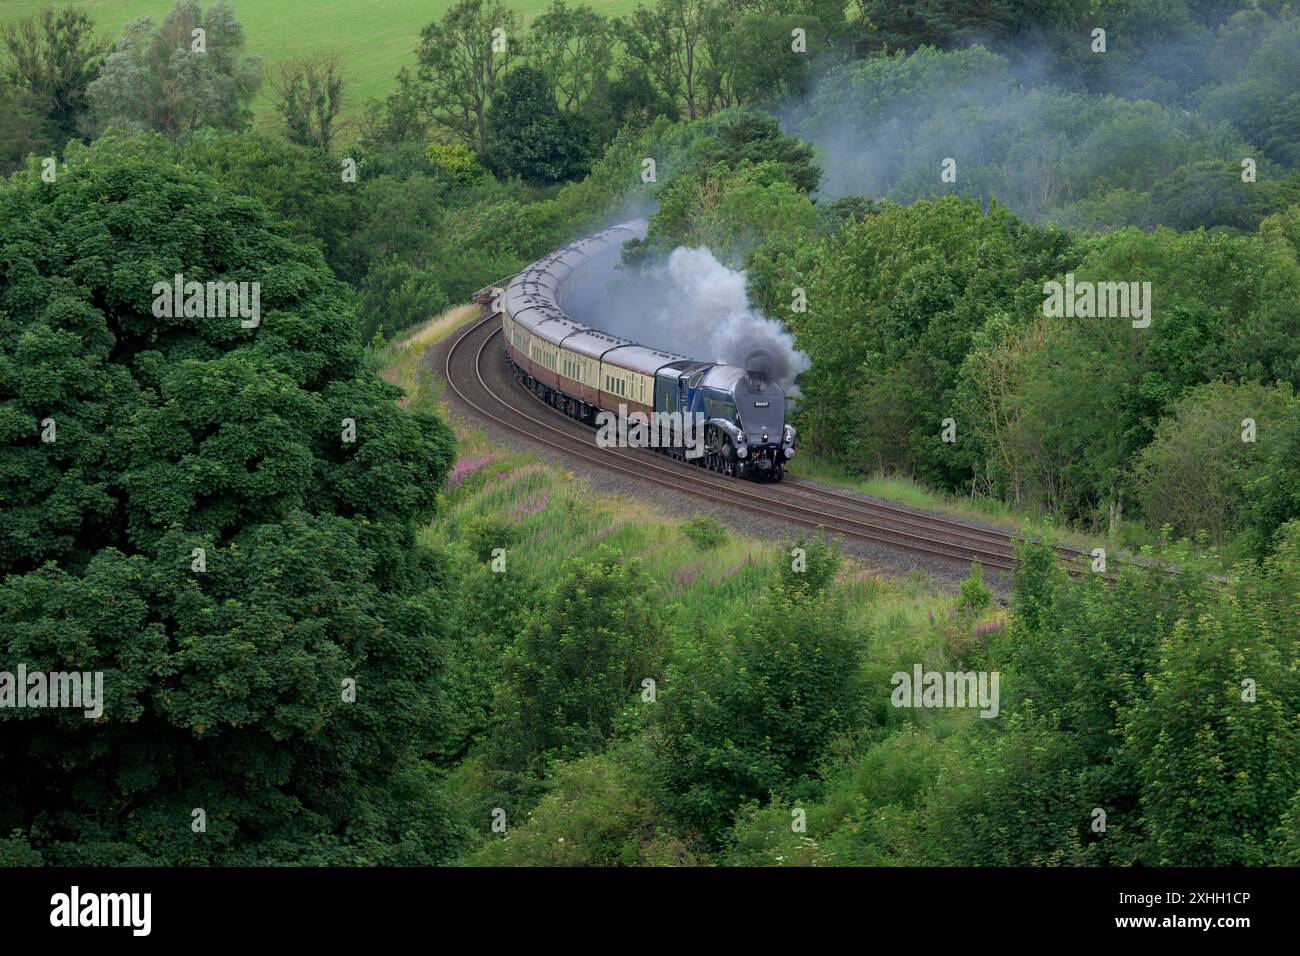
[{"x": 690, "y": 304}]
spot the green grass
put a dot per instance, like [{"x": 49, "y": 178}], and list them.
[
  {"x": 983, "y": 511},
  {"x": 375, "y": 37},
  {"x": 553, "y": 515}
]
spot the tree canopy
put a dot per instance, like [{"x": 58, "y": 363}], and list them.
[{"x": 196, "y": 520}]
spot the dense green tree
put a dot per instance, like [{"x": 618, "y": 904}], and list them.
[
  {"x": 529, "y": 136},
  {"x": 1263, "y": 100},
  {"x": 728, "y": 209},
  {"x": 53, "y": 57},
  {"x": 1212, "y": 193},
  {"x": 1011, "y": 799},
  {"x": 1214, "y": 738},
  {"x": 227, "y": 672},
  {"x": 893, "y": 307},
  {"x": 1166, "y": 701},
  {"x": 629, "y": 100},
  {"x": 455, "y": 163},
  {"x": 734, "y": 183},
  {"x": 742, "y": 135},
  {"x": 1149, "y": 674},
  {"x": 887, "y": 123},
  {"x": 942, "y": 23},
  {"x": 25, "y": 129},
  {"x": 573, "y": 46},
  {"x": 653, "y": 42},
  {"x": 766, "y": 68},
  {"x": 1088, "y": 393},
  {"x": 1194, "y": 474},
  {"x": 301, "y": 186},
  {"x": 402, "y": 241}
]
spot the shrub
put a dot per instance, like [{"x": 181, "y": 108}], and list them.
[
  {"x": 975, "y": 596},
  {"x": 704, "y": 531}
]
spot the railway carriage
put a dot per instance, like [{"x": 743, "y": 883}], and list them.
[
  {"x": 628, "y": 373},
  {"x": 583, "y": 370}
]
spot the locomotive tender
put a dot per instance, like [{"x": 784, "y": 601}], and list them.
[{"x": 584, "y": 371}]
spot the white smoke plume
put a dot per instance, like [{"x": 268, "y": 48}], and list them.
[{"x": 693, "y": 305}]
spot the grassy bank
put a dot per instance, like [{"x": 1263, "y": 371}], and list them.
[{"x": 977, "y": 510}]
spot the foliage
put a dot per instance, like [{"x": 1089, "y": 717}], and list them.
[
  {"x": 577, "y": 661},
  {"x": 165, "y": 81},
  {"x": 704, "y": 531},
  {"x": 456, "y": 162},
  {"x": 767, "y": 70},
  {"x": 302, "y": 186},
  {"x": 893, "y": 307},
  {"x": 529, "y": 136},
  {"x": 53, "y": 58},
  {"x": 573, "y": 47},
  {"x": 1166, "y": 700},
  {"x": 1194, "y": 474},
  {"x": 1263, "y": 99},
  {"x": 461, "y": 64},
  {"x": 222, "y": 678},
  {"x": 309, "y": 96},
  {"x": 810, "y": 571},
  {"x": 595, "y": 813},
  {"x": 25, "y": 129},
  {"x": 1047, "y": 153},
  {"x": 974, "y": 595},
  {"x": 752, "y": 716}
]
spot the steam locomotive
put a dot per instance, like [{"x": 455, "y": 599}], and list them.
[{"x": 725, "y": 418}]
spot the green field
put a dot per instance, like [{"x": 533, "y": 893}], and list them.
[{"x": 376, "y": 38}]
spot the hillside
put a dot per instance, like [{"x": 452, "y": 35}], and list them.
[{"x": 376, "y": 38}]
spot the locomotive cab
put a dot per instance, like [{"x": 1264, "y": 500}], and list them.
[{"x": 676, "y": 392}]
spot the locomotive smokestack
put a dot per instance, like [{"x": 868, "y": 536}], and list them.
[{"x": 758, "y": 363}]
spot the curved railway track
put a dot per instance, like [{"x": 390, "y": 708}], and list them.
[{"x": 792, "y": 502}]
